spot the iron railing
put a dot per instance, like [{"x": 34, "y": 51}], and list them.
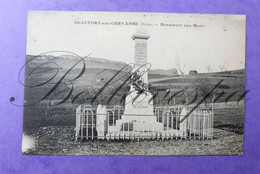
[{"x": 95, "y": 123}]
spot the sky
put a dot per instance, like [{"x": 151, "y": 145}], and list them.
[{"x": 219, "y": 41}]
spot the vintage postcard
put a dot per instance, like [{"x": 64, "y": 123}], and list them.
[{"x": 113, "y": 83}]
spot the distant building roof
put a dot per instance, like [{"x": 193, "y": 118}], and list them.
[{"x": 193, "y": 72}]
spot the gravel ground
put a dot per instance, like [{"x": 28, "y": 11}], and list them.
[{"x": 54, "y": 140}]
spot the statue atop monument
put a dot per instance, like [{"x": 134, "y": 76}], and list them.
[{"x": 138, "y": 83}]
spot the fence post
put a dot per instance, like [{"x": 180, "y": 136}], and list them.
[
  {"x": 78, "y": 114},
  {"x": 100, "y": 121},
  {"x": 183, "y": 125},
  {"x": 212, "y": 120},
  {"x": 204, "y": 124}
]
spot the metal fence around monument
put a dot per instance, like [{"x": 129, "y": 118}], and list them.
[{"x": 91, "y": 125}]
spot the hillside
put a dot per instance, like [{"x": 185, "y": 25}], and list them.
[
  {"x": 231, "y": 79},
  {"x": 97, "y": 73}
]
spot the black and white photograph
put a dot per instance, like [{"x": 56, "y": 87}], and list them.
[{"x": 118, "y": 83}]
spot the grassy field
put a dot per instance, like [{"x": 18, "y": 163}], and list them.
[{"x": 60, "y": 140}]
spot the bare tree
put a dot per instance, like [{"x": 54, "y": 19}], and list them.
[
  {"x": 203, "y": 87},
  {"x": 182, "y": 71},
  {"x": 179, "y": 66},
  {"x": 208, "y": 68},
  {"x": 222, "y": 68}
]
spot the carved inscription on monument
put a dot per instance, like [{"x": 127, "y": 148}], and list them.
[{"x": 140, "y": 52}]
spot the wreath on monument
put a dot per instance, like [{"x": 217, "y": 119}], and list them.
[{"x": 138, "y": 83}]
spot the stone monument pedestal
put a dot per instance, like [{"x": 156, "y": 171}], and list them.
[{"x": 138, "y": 114}]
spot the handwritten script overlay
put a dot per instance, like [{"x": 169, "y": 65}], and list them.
[{"x": 70, "y": 76}]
